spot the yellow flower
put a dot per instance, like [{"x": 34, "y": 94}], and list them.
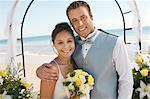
[
  {"x": 79, "y": 71},
  {"x": 78, "y": 81},
  {"x": 26, "y": 85},
  {"x": 144, "y": 72},
  {"x": 90, "y": 80},
  {"x": 84, "y": 73},
  {"x": 138, "y": 59},
  {"x": 3, "y": 73}
]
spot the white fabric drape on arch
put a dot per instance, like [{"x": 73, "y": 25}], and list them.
[
  {"x": 136, "y": 22},
  {"x": 10, "y": 29}
]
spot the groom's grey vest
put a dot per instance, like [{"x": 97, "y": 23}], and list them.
[{"x": 98, "y": 62}]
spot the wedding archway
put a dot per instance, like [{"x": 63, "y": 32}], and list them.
[{"x": 31, "y": 2}]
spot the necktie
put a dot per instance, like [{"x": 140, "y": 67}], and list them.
[
  {"x": 81, "y": 42},
  {"x": 88, "y": 40}
]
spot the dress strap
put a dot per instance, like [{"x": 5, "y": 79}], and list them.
[
  {"x": 56, "y": 64},
  {"x": 60, "y": 74}
]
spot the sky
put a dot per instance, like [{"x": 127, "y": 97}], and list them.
[{"x": 43, "y": 15}]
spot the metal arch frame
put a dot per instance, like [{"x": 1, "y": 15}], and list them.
[
  {"x": 22, "y": 45},
  {"x": 124, "y": 26},
  {"x": 123, "y": 19}
]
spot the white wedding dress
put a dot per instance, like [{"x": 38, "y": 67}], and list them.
[{"x": 59, "y": 92}]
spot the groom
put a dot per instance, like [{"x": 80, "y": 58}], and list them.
[{"x": 101, "y": 54}]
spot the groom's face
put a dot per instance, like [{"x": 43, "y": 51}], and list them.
[{"x": 81, "y": 21}]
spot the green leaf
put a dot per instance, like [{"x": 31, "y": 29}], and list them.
[
  {"x": 72, "y": 74},
  {"x": 66, "y": 83}
]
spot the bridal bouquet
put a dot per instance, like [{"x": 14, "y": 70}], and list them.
[
  {"x": 141, "y": 74},
  {"x": 13, "y": 87},
  {"x": 78, "y": 83}
]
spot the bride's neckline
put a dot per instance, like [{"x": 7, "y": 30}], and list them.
[
  {"x": 59, "y": 62},
  {"x": 63, "y": 68}
]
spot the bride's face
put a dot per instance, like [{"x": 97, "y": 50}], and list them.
[{"x": 64, "y": 44}]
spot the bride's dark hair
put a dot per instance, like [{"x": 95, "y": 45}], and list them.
[{"x": 63, "y": 26}]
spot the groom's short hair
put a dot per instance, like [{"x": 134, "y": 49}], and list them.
[{"x": 77, "y": 4}]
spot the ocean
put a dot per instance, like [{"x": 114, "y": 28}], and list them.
[
  {"x": 41, "y": 44},
  {"x": 130, "y": 36}
]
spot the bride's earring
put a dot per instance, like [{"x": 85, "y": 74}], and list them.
[{"x": 54, "y": 49}]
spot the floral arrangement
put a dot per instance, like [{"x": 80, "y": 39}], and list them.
[
  {"x": 13, "y": 87},
  {"x": 141, "y": 75},
  {"x": 78, "y": 83}
]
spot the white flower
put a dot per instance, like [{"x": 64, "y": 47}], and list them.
[
  {"x": 22, "y": 91},
  {"x": 144, "y": 90},
  {"x": 71, "y": 79},
  {"x": 82, "y": 78},
  {"x": 71, "y": 86},
  {"x": 146, "y": 58},
  {"x": 1, "y": 81},
  {"x": 84, "y": 88},
  {"x": 67, "y": 92}
]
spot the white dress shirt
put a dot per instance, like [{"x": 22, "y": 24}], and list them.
[{"x": 120, "y": 58}]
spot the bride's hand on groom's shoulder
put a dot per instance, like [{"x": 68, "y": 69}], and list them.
[{"x": 47, "y": 71}]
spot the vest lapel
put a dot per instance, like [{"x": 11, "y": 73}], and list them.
[{"x": 78, "y": 57}]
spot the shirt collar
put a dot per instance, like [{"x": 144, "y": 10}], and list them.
[{"x": 94, "y": 34}]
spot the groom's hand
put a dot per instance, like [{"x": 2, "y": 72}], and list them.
[{"x": 47, "y": 72}]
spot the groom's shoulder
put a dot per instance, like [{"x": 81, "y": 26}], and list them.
[{"x": 107, "y": 33}]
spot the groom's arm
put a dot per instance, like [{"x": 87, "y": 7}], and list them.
[
  {"x": 121, "y": 60},
  {"x": 47, "y": 72}
]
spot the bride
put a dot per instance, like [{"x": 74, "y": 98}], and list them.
[{"x": 64, "y": 43}]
